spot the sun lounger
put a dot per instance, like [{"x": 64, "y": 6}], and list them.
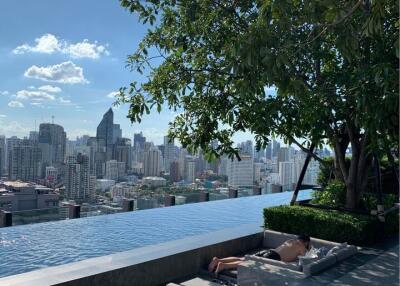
[{"x": 257, "y": 269}]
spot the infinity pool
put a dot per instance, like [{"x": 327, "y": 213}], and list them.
[{"x": 29, "y": 247}]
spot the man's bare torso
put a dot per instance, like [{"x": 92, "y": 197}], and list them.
[{"x": 290, "y": 250}]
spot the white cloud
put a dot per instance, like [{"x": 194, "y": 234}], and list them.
[
  {"x": 47, "y": 44},
  {"x": 34, "y": 95},
  {"x": 37, "y": 104},
  {"x": 5, "y": 92},
  {"x": 50, "y": 88},
  {"x": 66, "y": 72},
  {"x": 50, "y": 44},
  {"x": 113, "y": 94},
  {"x": 85, "y": 49},
  {"x": 3, "y": 116},
  {"x": 15, "y": 104},
  {"x": 62, "y": 100}
]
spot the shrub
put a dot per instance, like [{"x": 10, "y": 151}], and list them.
[
  {"x": 324, "y": 224},
  {"x": 333, "y": 195},
  {"x": 370, "y": 201}
]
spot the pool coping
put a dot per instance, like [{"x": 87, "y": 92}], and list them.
[{"x": 66, "y": 274}]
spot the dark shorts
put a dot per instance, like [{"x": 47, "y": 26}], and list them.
[{"x": 271, "y": 254}]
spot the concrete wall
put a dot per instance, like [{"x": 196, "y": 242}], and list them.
[{"x": 150, "y": 265}]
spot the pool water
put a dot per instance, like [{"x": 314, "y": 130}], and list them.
[{"x": 29, "y": 247}]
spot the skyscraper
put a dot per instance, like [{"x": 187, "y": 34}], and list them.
[
  {"x": 79, "y": 184},
  {"x": 169, "y": 152},
  {"x": 174, "y": 171},
  {"x": 139, "y": 140},
  {"x": 152, "y": 164},
  {"x": 275, "y": 148},
  {"x": 246, "y": 148},
  {"x": 190, "y": 169},
  {"x": 24, "y": 161},
  {"x": 52, "y": 142},
  {"x": 2, "y": 154},
  {"x": 34, "y": 135},
  {"x": 286, "y": 177},
  {"x": 123, "y": 152},
  {"x": 117, "y": 132},
  {"x": 112, "y": 170},
  {"x": 240, "y": 173},
  {"x": 10, "y": 144},
  {"x": 97, "y": 156},
  {"x": 105, "y": 131},
  {"x": 268, "y": 151}
]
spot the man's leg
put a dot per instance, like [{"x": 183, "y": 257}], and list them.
[
  {"x": 214, "y": 262},
  {"x": 227, "y": 265}
]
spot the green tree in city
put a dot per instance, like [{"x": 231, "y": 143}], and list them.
[{"x": 333, "y": 63}]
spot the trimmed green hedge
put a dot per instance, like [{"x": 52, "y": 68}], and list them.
[{"x": 326, "y": 224}]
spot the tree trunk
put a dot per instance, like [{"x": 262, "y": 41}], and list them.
[{"x": 354, "y": 177}]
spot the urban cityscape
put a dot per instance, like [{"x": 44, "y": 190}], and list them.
[
  {"x": 199, "y": 143},
  {"x": 45, "y": 169}
]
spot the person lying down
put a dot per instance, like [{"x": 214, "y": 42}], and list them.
[{"x": 286, "y": 252}]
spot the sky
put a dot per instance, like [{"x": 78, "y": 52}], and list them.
[{"x": 65, "y": 59}]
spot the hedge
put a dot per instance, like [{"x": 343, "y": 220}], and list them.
[{"x": 327, "y": 224}]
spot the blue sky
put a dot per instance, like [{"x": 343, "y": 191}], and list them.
[{"x": 64, "y": 58}]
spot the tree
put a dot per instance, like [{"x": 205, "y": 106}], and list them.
[{"x": 333, "y": 63}]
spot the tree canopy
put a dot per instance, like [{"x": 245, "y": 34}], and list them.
[{"x": 333, "y": 63}]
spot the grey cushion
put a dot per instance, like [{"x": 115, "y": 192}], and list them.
[
  {"x": 344, "y": 253},
  {"x": 291, "y": 265},
  {"x": 319, "y": 265}
]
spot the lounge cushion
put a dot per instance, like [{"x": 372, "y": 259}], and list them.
[
  {"x": 319, "y": 265},
  {"x": 345, "y": 253},
  {"x": 292, "y": 265}
]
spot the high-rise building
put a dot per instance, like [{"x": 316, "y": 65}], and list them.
[
  {"x": 182, "y": 162},
  {"x": 2, "y": 154},
  {"x": 283, "y": 154},
  {"x": 24, "y": 161},
  {"x": 82, "y": 141},
  {"x": 34, "y": 135},
  {"x": 105, "y": 131},
  {"x": 246, "y": 148},
  {"x": 190, "y": 169},
  {"x": 138, "y": 141},
  {"x": 52, "y": 143},
  {"x": 286, "y": 178},
  {"x": 268, "y": 151},
  {"x": 258, "y": 155},
  {"x": 174, "y": 171},
  {"x": 152, "y": 162},
  {"x": 169, "y": 152},
  {"x": 112, "y": 170},
  {"x": 10, "y": 144},
  {"x": 79, "y": 184},
  {"x": 123, "y": 152},
  {"x": 117, "y": 132},
  {"x": 97, "y": 156},
  {"x": 275, "y": 148},
  {"x": 257, "y": 172},
  {"x": 240, "y": 173}
]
